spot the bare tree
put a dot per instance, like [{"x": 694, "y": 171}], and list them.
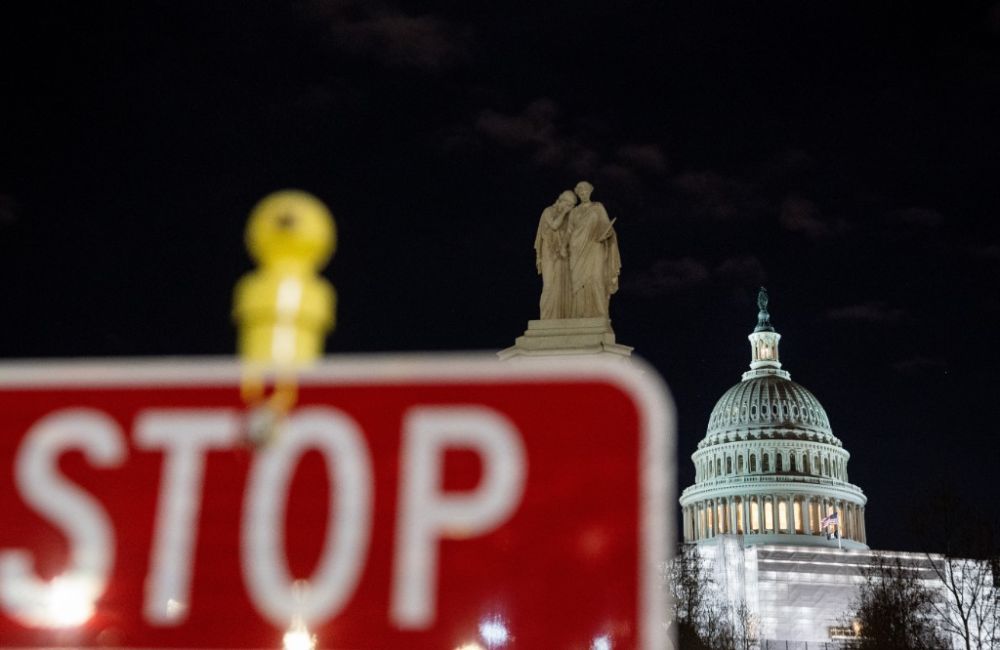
[
  {"x": 895, "y": 608},
  {"x": 701, "y": 617},
  {"x": 687, "y": 579},
  {"x": 747, "y": 625},
  {"x": 968, "y": 609},
  {"x": 967, "y": 571}
]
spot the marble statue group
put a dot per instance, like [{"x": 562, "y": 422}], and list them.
[{"x": 576, "y": 253}]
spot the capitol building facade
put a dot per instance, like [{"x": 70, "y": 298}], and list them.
[
  {"x": 769, "y": 468},
  {"x": 773, "y": 514}
]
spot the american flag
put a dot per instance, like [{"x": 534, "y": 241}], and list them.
[{"x": 831, "y": 518}]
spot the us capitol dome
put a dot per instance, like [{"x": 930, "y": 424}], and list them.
[{"x": 769, "y": 468}]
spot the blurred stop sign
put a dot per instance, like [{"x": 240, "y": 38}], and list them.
[{"x": 410, "y": 502}]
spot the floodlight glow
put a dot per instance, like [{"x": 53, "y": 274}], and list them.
[
  {"x": 70, "y": 601},
  {"x": 298, "y": 638},
  {"x": 601, "y": 643},
  {"x": 494, "y": 632}
]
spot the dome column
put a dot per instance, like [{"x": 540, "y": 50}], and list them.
[
  {"x": 789, "y": 510},
  {"x": 798, "y": 527}
]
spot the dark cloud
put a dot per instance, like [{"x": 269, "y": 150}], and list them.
[
  {"x": 990, "y": 252},
  {"x": 537, "y": 131},
  {"x": 993, "y": 19},
  {"x": 548, "y": 140},
  {"x": 668, "y": 276},
  {"x": 619, "y": 176},
  {"x": 718, "y": 197},
  {"x": 924, "y": 217},
  {"x": 535, "y": 125},
  {"x": 386, "y": 34},
  {"x": 802, "y": 216},
  {"x": 673, "y": 275},
  {"x": 741, "y": 271},
  {"x": 918, "y": 365},
  {"x": 643, "y": 157},
  {"x": 874, "y": 311},
  {"x": 787, "y": 166},
  {"x": 8, "y": 210}
]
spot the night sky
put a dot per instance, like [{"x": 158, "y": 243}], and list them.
[{"x": 845, "y": 156}]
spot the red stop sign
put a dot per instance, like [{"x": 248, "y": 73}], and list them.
[{"x": 439, "y": 502}]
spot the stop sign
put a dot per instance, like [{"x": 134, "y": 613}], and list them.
[{"x": 409, "y": 502}]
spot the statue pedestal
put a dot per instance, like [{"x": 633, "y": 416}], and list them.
[{"x": 567, "y": 336}]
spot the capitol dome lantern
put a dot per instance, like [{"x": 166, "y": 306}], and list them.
[{"x": 769, "y": 468}]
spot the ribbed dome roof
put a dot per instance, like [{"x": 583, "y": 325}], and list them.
[{"x": 768, "y": 406}]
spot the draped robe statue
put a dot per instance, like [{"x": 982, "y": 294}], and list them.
[
  {"x": 594, "y": 259},
  {"x": 552, "y": 258}
]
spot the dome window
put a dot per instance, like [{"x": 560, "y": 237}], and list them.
[
  {"x": 766, "y": 463},
  {"x": 753, "y": 411}
]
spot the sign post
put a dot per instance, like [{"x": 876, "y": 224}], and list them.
[{"x": 408, "y": 501}]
